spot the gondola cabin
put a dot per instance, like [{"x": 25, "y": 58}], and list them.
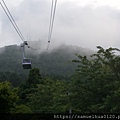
[{"x": 26, "y": 63}]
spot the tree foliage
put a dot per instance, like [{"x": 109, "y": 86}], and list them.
[
  {"x": 8, "y": 97},
  {"x": 44, "y": 95},
  {"x": 96, "y": 83},
  {"x": 30, "y": 84},
  {"x": 50, "y": 97},
  {"x": 94, "y": 88}
]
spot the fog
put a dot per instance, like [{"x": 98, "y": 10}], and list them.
[{"x": 85, "y": 26}]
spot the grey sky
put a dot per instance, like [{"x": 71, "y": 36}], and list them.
[{"x": 88, "y": 24}]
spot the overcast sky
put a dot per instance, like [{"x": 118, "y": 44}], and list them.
[{"x": 85, "y": 23}]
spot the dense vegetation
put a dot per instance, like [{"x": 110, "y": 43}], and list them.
[
  {"x": 94, "y": 88},
  {"x": 55, "y": 63}
]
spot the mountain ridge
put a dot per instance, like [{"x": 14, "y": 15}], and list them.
[{"x": 55, "y": 62}]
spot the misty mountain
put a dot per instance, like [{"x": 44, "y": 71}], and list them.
[{"x": 53, "y": 62}]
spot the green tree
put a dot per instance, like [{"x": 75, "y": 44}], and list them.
[
  {"x": 8, "y": 97},
  {"x": 96, "y": 82},
  {"x": 21, "y": 109},
  {"x": 29, "y": 85},
  {"x": 50, "y": 97}
]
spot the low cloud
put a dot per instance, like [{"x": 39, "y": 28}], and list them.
[{"x": 83, "y": 26}]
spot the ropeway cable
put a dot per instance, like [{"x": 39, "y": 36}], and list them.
[
  {"x": 52, "y": 16},
  {"x": 9, "y": 15},
  {"x": 12, "y": 20}
]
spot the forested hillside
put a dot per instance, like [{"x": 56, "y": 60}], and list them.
[
  {"x": 94, "y": 88},
  {"x": 55, "y": 62}
]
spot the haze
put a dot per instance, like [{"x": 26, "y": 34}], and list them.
[{"x": 85, "y": 23}]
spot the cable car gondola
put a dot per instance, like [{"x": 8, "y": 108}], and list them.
[{"x": 26, "y": 62}]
